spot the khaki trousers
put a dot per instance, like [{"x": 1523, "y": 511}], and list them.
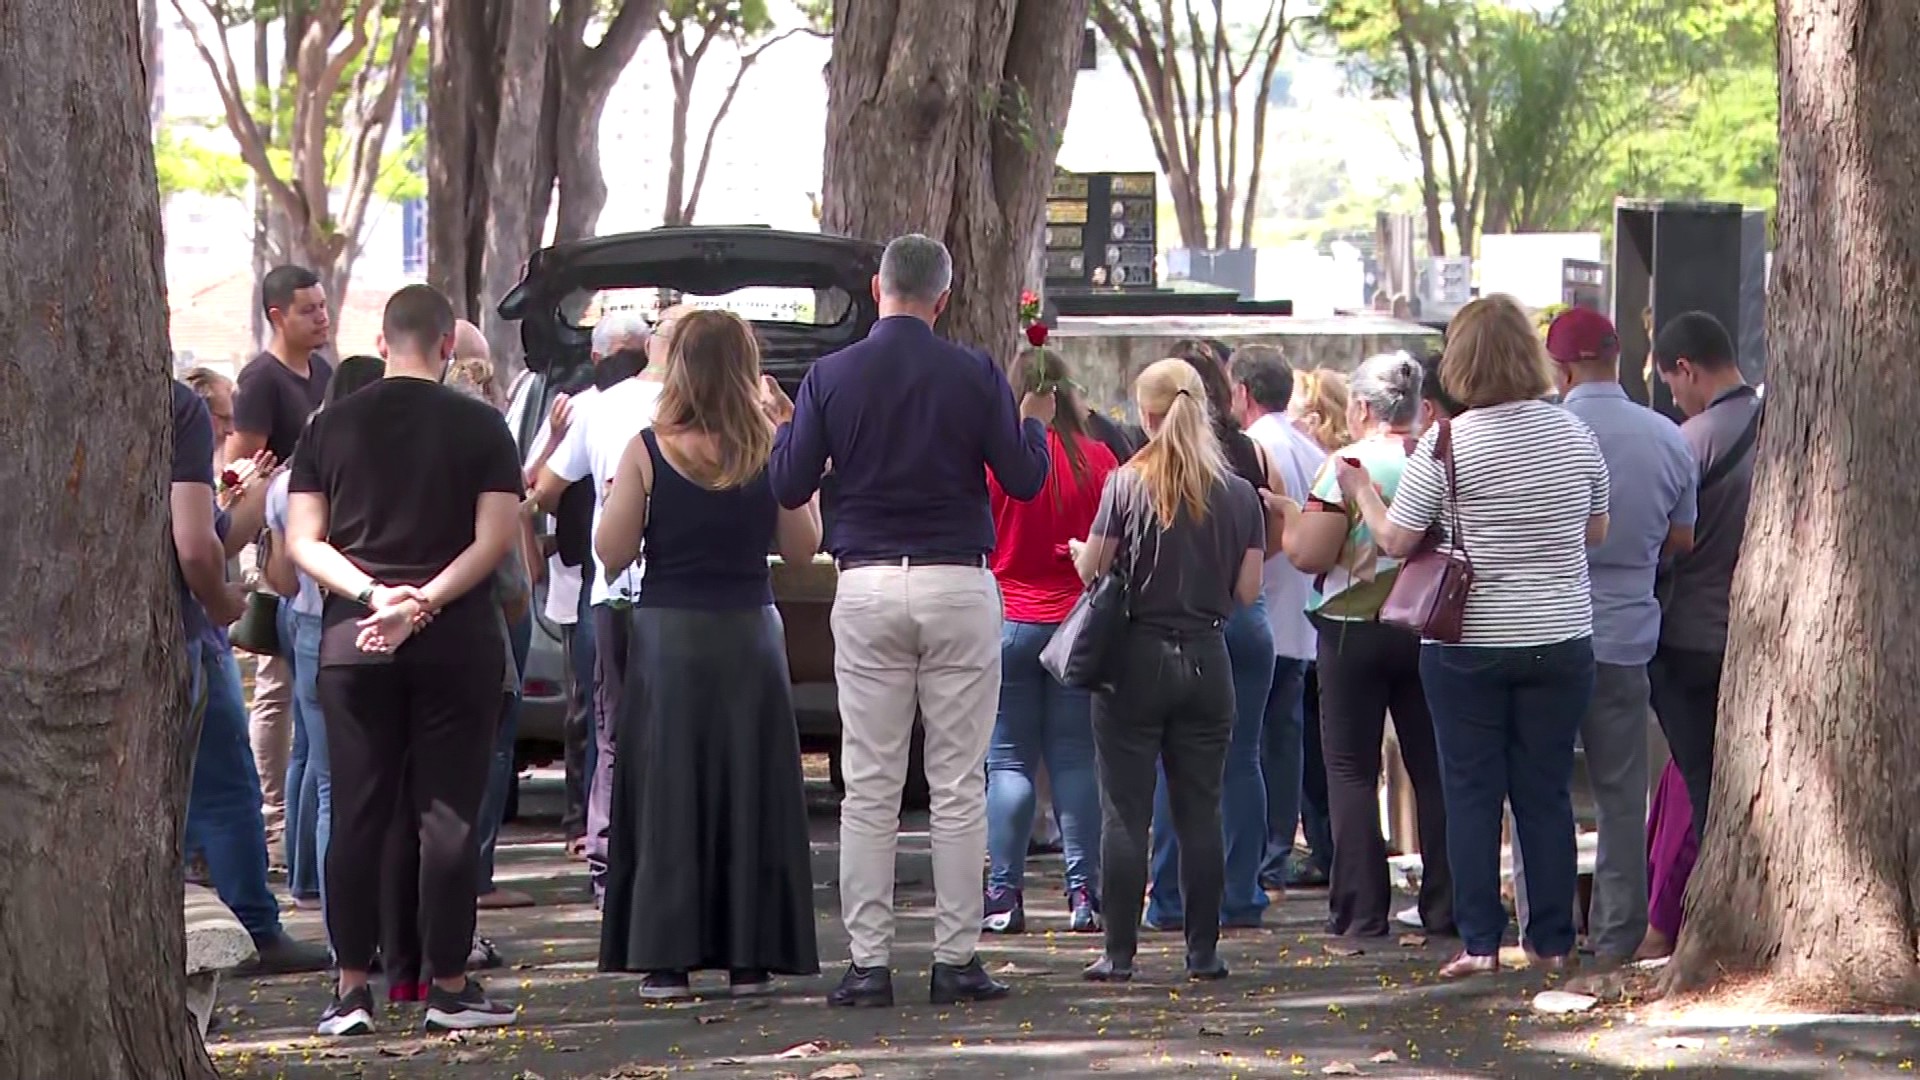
[
  {"x": 271, "y": 732},
  {"x": 927, "y": 640}
]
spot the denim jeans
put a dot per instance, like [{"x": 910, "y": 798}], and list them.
[
  {"x": 1282, "y": 751},
  {"x": 1505, "y": 721},
  {"x": 309, "y": 771},
  {"x": 223, "y": 803},
  {"x": 1040, "y": 721},
  {"x": 502, "y": 775},
  {"x": 1243, "y": 790}
]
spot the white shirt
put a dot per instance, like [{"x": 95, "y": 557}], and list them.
[
  {"x": 1286, "y": 589},
  {"x": 592, "y": 447},
  {"x": 563, "y": 582}
]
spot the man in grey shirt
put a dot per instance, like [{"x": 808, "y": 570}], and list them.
[
  {"x": 1695, "y": 358},
  {"x": 1652, "y": 514}
]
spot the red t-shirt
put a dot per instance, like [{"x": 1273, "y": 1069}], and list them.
[{"x": 1037, "y": 578}]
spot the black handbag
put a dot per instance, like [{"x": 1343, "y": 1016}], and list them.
[
  {"x": 1085, "y": 649},
  {"x": 258, "y": 630}
]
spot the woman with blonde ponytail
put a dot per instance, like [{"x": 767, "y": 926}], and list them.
[{"x": 1189, "y": 537}]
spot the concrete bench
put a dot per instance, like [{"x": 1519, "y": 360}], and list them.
[{"x": 216, "y": 943}]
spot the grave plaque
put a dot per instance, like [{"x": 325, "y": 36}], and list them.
[{"x": 1100, "y": 230}]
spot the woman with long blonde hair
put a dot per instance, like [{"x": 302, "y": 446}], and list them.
[
  {"x": 1189, "y": 536},
  {"x": 708, "y": 864}
]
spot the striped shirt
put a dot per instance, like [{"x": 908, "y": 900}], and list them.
[{"x": 1530, "y": 475}]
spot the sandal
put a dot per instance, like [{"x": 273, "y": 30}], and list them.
[{"x": 1466, "y": 966}]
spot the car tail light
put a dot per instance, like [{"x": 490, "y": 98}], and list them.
[{"x": 541, "y": 688}]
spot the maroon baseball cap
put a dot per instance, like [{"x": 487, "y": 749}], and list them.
[{"x": 1579, "y": 334}]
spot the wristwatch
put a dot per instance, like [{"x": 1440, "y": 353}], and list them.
[{"x": 365, "y": 596}]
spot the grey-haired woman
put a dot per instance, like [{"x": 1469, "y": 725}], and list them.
[{"x": 1368, "y": 668}]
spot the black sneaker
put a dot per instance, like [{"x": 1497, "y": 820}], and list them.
[
  {"x": 749, "y": 982},
  {"x": 665, "y": 986},
  {"x": 1004, "y": 911},
  {"x": 351, "y": 1014},
  {"x": 467, "y": 1010}
]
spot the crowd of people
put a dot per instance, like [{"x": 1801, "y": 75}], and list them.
[{"x": 1268, "y": 527}]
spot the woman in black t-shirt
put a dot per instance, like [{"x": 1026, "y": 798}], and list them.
[
  {"x": 1243, "y": 790},
  {"x": 1189, "y": 534}
]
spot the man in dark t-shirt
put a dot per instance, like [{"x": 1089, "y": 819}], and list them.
[
  {"x": 404, "y": 499},
  {"x": 283, "y": 386},
  {"x": 275, "y": 394}
]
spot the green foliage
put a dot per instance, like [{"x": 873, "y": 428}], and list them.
[
  {"x": 1538, "y": 117},
  {"x": 739, "y": 20},
  {"x": 1724, "y": 146},
  {"x": 187, "y": 164}
]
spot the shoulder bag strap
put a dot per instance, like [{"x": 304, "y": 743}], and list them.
[
  {"x": 1443, "y": 449},
  {"x": 1735, "y": 453}
]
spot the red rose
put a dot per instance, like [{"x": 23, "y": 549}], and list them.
[
  {"x": 1036, "y": 334},
  {"x": 229, "y": 478},
  {"x": 1028, "y": 299}
]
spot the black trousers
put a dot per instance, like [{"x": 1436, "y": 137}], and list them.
[
  {"x": 1173, "y": 705},
  {"x": 612, "y": 627},
  {"x": 1686, "y": 697},
  {"x": 1367, "y": 669},
  {"x": 421, "y": 731}
]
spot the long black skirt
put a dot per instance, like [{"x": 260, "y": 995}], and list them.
[{"x": 708, "y": 866}]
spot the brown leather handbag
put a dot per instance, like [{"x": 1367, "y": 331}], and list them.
[{"x": 1429, "y": 594}]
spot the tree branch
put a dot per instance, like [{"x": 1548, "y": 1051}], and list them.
[
  {"x": 371, "y": 141},
  {"x": 720, "y": 114},
  {"x": 240, "y": 120}
]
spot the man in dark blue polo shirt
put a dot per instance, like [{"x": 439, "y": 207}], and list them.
[{"x": 911, "y": 423}]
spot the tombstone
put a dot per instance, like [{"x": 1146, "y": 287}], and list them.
[{"x": 1674, "y": 257}]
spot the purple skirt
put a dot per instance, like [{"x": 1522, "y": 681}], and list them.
[{"x": 1671, "y": 850}]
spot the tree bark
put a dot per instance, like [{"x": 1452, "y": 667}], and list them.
[
  {"x": 512, "y": 234},
  {"x": 463, "y": 103},
  {"x": 587, "y": 75},
  {"x": 1810, "y": 865},
  {"x": 945, "y": 121},
  {"x": 95, "y": 738}
]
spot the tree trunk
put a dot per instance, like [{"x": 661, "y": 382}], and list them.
[
  {"x": 946, "y": 123},
  {"x": 683, "y": 69},
  {"x": 1810, "y": 866},
  {"x": 150, "y": 54},
  {"x": 510, "y": 235},
  {"x": 582, "y": 184},
  {"x": 95, "y": 738},
  {"x": 463, "y": 107}
]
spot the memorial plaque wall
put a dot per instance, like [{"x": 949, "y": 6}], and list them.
[{"x": 1100, "y": 230}]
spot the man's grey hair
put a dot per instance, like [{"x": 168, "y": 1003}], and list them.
[
  {"x": 1263, "y": 370},
  {"x": 619, "y": 330},
  {"x": 1389, "y": 384},
  {"x": 916, "y": 268}
]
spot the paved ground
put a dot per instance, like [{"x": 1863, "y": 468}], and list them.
[{"x": 1292, "y": 1008}]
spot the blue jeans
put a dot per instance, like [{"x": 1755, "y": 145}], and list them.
[
  {"x": 502, "y": 775},
  {"x": 1282, "y": 750},
  {"x": 223, "y": 803},
  {"x": 309, "y": 773},
  {"x": 1243, "y": 790},
  {"x": 1505, "y": 721},
  {"x": 1040, "y": 720}
]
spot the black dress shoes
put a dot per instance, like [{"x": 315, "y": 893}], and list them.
[
  {"x": 954, "y": 983},
  {"x": 863, "y": 988}
]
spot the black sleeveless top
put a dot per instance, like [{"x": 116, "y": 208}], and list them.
[
  {"x": 1243, "y": 456},
  {"x": 705, "y": 549}
]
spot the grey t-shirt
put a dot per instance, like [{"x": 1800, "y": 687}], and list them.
[
  {"x": 1693, "y": 595},
  {"x": 1181, "y": 578}
]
